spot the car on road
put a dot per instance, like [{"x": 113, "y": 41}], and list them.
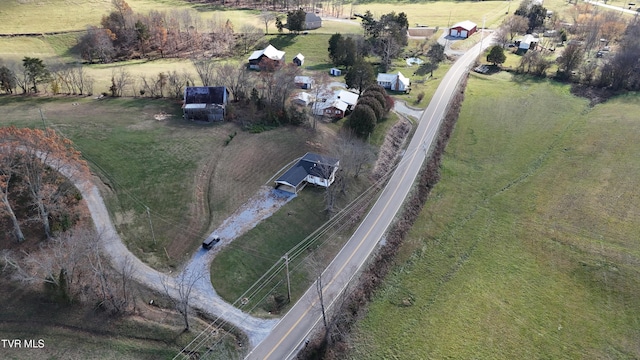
[{"x": 210, "y": 241}]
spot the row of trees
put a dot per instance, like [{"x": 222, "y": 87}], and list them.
[
  {"x": 124, "y": 34},
  {"x": 33, "y": 74},
  {"x": 373, "y": 106}
]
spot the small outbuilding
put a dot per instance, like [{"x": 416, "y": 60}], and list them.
[
  {"x": 205, "y": 103},
  {"x": 527, "y": 42},
  {"x": 299, "y": 59},
  {"x": 463, "y": 29},
  {"x": 312, "y": 168},
  {"x": 302, "y": 98},
  {"x": 303, "y": 82},
  {"x": 335, "y": 72},
  {"x": 394, "y": 82}
]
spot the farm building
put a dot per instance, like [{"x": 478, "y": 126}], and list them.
[
  {"x": 269, "y": 56},
  {"x": 312, "y": 21},
  {"x": 348, "y": 97},
  {"x": 335, "y": 72},
  {"x": 332, "y": 108},
  {"x": 299, "y": 59},
  {"x": 205, "y": 103},
  {"x": 310, "y": 169},
  {"x": 302, "y": 98},
  {"x": 527, "y": 42},
  {"x": 303, "y": 82},
  {"x": 394, "y": 82},
  {"x": 463, "y": 29}
]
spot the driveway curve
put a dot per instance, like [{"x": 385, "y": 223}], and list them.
[{"x": 203, "y": 298}]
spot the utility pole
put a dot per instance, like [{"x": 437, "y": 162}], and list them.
[
  {"x": 286, "y": 264},
  {"x": 484, "y": 18},
  {"x": 44, "y": 125},
  {"x": 151, "y": 225}
]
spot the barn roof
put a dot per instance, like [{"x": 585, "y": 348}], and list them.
[
  {"x": 270, "y": 51},
  {"x": 347, "y": 96},
  {"x": 466, "y": 25},
  {"x": 204, "y": 95}
]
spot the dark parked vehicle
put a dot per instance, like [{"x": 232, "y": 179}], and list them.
[{"x": 210, "y": 241}]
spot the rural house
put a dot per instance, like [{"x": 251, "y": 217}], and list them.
[
  {"x": 394, "y": 82},
  {"x": 348, "y": 97},
  {"x": 527, "y": 42},
  {"x": 303, "y": 82},
  {"x": 205, "y": 103},
  {"x": 266, "y": 57},
  {"x": 312, "y": 21},
  {"x": 310, "y": 169},
  {"x": 463, "y": 29},
  {"x": 298, "y": 60},
  {"x": 332, "y": 108}
]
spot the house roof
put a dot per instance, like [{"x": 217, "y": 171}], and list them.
[
  {"x": 270, "y": 52},
  {"x": 311, "y": 17},
  {"x": 302, "y": 80},
  {"x": 466, "y": 25},
  {"x": 304, "y": 97},
  {"x": 310, "y": 164},
  {"x": 347, "y": 96},
  {"x": 299, "y": 56},
  {"x": 382, "y": 77},
  {"x": 204, "y": 95},
  {"x": 339, "y": 104}
]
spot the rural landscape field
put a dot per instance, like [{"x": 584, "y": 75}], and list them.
[{"x": 525, "y": 248}]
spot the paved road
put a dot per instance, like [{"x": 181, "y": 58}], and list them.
[
  {"x": 629, "y": 9},
  {"x": 289, "y": 334}
]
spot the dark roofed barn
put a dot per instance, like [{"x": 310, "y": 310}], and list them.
[
  {"x": 205, "y": 103},
  {"x": 311, "y": 168},
  {"x": 312, "y": 21}
]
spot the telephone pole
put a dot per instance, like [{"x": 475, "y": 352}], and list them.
[{"x": 286, "y": 264}]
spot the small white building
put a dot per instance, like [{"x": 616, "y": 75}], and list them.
[
  {"x": 527, "y": 42},
  {"x": 394, "y": 82},
  {"x": 302, "y": 98},
  {"x": 335, "y": 72},
  {"x": 303, "y": 82},
  {"x": 298, "y": 59}
]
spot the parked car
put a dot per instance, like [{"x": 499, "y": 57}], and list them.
[{"x": 210, "y": 241}]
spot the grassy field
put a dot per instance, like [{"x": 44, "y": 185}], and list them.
[
  {"x": 146, "y": 162},
  {"x": 528, "y": 246}
]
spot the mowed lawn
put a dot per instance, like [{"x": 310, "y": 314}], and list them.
[{"x": 528, "y": 247}]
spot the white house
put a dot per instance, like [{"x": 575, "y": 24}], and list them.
[
  {"x": 310, "y": 169},
  {"x": 527, "y": 42},
  {"x": 394, "y": 82}
]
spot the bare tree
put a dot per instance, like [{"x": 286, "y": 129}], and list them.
[
  {"x": 249, "y": 35},
  {"x": 236, "y": 78},
  {"x": 179, "y": 291},
  {"x": 206, "y": 70},
  {"x": 177, "y": 82},
  {"x": 514, "y": 25},
  {"x": 321, "y": 90},
  {"x": 9, "y": 165},
  {"x": 120, "y": 80},
  {"x": 570, "y": 59},
  {"x": 267, "y": 18}
]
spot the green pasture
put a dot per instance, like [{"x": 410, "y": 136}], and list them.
[
  {"x": 527, "y": 247},
  {"x": 152, "y": 163}
]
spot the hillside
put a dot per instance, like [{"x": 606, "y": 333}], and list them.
[{"x": 527, "y": 247}]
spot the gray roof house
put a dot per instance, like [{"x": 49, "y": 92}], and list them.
[
  {"x": 311, "y": 168},
  {"x": 205, "y": 103},
  {"x": 312, "y": 21}
]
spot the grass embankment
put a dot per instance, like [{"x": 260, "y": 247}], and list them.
[
  {"x": 81, "y": 332},
  {"x": 528, "y": 247}
]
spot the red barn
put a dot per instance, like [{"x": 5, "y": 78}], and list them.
[{"x": 463, "y": 29}]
